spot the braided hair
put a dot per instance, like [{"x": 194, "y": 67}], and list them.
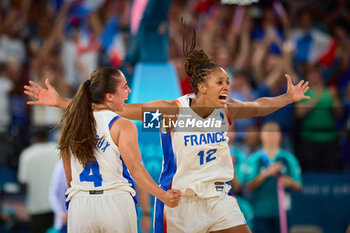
[{"x": 198, "y": 65}]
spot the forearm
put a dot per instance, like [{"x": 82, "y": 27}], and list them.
[
  {"x": 145, "y": 181},
  {"x": 132, "y": 112},
  {"x": 236, "y": 185},
  {"x": 255, "y": 183},
  {"x": 144, "y": 200},
  {"x": 63, "y": 102},
  {"x": 243, "y": 54},
  {"x": 296, "y": 186},
  {"x": 268, "y": 105},
  {"x": 135, "y": 111}
]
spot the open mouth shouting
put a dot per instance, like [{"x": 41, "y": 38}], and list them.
[{"x": 223, "y": 98}]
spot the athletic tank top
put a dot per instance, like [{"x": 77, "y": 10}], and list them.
[
  {"x": 197, "y": 160},
  {"x": 109, "y": 170}
]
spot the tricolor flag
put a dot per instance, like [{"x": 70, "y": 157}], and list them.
[
  {"x": 79, "y": 9},
  {"x": 314, "y": 46},
  {"x": 112, "y": 42}
]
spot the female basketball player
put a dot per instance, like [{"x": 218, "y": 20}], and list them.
[
  {"x": 98, "y": 147},
  {"x": 197, "y": 162}
]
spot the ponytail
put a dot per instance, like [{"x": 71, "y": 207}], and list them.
[{"x": 79, "y": 127}]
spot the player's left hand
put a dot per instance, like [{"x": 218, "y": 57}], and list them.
[{"x": 297, "y": 92}]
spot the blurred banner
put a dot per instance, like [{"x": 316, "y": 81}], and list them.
[{"x": 323, "y": 204}]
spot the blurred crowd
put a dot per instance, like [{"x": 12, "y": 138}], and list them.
[{"x": 257, "y": 44}]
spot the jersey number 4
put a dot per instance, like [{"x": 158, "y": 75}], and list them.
[
  {"x": 209, "y": 156},
  {"x": 91, "y": 173}
]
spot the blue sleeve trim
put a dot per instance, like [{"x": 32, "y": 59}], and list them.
[{"x": 112, "y": 121}]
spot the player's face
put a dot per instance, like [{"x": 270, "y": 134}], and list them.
[
  {"x": 217, "y": 88},
  {"x": 121, "y": 94}
]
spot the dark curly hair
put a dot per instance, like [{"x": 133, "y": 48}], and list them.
[{"x": 198, "y": 65}]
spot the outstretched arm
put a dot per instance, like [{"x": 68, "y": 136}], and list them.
[
  {"x": 124, "y": 134},
  {"x": 49, "y": 96},
  {"x": 45, "y": 96},
  {"x": 266, "y": 105}
]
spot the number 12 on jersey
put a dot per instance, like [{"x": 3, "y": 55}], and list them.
[{"x": 208, "y": 156}]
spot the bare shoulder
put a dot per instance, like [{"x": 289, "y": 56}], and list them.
[
  {"x": 123, "y": 130},
  {"x": 123, "y": 124}
]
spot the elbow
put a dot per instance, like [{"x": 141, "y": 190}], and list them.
[
  {"x": 259, "y": 110},
  {"x": 135, "y": 171}
]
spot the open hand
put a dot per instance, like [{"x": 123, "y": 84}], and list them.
[
  {"x": 43, "y": 96},
  {"x": 297, "y": 92}
]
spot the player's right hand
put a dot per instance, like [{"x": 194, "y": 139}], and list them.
[
  {"x": 172, "y": 198},
  {"x": 43, "y": 96}
]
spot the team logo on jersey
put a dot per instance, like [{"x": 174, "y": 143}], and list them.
[
  {"x": 222, "y": 116},
  {"x": 151, "y": 120}
]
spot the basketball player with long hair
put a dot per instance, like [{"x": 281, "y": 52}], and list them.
[
  {"x": 197, "y": 163},
  {"x": 98, "y": 149}
]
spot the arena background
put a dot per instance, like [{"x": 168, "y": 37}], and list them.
[{"x": 256, "y": 44}]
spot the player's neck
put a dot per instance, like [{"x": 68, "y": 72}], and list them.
[
  {"x": 199, "y": 106},
  {"x": 100, "y": 107}
]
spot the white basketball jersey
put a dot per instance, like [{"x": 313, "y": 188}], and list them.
[
  {"x": 109, "y": 170},
  {"x": 197, "y": 161}
]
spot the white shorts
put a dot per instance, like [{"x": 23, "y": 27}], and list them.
[
  {"x": 113, "y": 211},
  {"x": 202, "y": 215}
]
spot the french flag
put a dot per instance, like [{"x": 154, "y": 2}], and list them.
[
  {"x": 79, "y": 9},
  {"x": 314, "y": 47},
  {"x": 112, "y": 42}
]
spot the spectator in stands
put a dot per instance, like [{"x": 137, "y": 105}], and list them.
[
  {"x": 57, "y": 197},
  {"x": 239, "y": 160},
  {"x": 340, "y": 69},
  {"x": 6, "y": 86},
  {"x": 319, "y": 148},
  {"x": 346, "y": 137},
  {"x": 242, "y": 90},
  {"x": 36, "y": 165},
  {"x": 265, "y": 167}
]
